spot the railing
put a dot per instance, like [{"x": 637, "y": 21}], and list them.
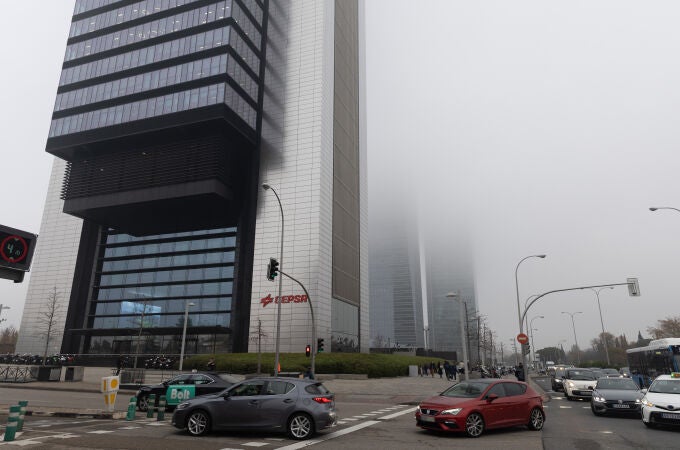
[{"x": 16, "y": 374}]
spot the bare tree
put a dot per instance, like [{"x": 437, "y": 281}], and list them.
[
  {"x": 47, "y": 319},
  {"x": 666, "y": 328},
  {"x": 8, "y": 339}
]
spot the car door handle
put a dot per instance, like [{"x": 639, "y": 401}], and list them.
[
  {"x": 252, "y": 402},
  {"x": 288, "y": 400}
]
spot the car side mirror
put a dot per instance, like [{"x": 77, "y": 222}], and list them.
[{"x": 491, "y": 397}]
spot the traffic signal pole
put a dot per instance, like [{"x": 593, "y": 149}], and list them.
[{"x": 311, "y": 310}]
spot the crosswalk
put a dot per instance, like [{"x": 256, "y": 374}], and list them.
[{"x": 41, "y": 427}]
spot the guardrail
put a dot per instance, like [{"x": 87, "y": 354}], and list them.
[{"x": 16, "y": 374}]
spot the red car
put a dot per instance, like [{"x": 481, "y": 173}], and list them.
[{"x": 475, "y": 405}]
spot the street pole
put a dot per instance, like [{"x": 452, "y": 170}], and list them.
[
  {"x": 573, "y": 326},
  {"x": 311, "y": 310},
  {"x": 604, "y": 337},
  {"x": 519, "y": 312},
  {"x": 265, "y": 186},
  {"x": 184, "y": 332},
  {"x": 531, "y": 332},
  {"x": 466, "y": 369}
]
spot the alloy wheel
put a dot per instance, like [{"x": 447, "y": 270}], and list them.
[
  {"x": 474, "y": 425},
  {"x": 300, "y": 426},
  {"x": 198, "y": 423}
]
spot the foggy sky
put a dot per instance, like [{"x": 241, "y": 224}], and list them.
[{"x": 546, "y": 127}]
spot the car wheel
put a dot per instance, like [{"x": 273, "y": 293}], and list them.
[
  {"x": 143, "y": 403},
  {"x": 570, "y": 398},
  {"x": 596, "y": 412},
  {"x": 198, "y": 423},
  {"x": 536, "y": 419},
  {"x": 300, "y": 426},
  {"x": 649, "y": 424},
  {"x": 474, "y": 425}
]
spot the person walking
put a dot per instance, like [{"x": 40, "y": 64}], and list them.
[
  {"x": 519, "y": 373},
  {"x": 210, "y": 365}
]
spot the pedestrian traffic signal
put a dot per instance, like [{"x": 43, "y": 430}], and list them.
[
  {"x": 319, "y": 345},
  {"x": 308, "y": 350},
  {"x": 272, "y": 269}
]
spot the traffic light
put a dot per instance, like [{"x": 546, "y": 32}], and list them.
[
  {"x": 319, "y": 345},
  {"x": 525, "y": 349},
  {"x": 272, "y": 269},
  {"x": 308, "y": 350}
]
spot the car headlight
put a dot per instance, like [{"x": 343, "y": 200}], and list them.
[
  {"x": 453, "y": 411},
  {"x": 570, "y": 384},
  {"x": 637, "y": 400},
  {"x": 598, "y": 398},
  {"x": 183, "y": 405},
  {"x": 647, "y": 403},
  {"x": 557, "y": 380}
]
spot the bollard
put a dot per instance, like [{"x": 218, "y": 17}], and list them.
[
  {"x": 132, "y": 407},
  {"x": 151, "y": 402},
  {"x": 22, "y": 414},
  {"x": 161, "y": 408},
  {"x": 12, "y": 419}
]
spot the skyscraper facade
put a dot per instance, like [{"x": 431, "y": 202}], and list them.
[{"x": 169, "y": 116}]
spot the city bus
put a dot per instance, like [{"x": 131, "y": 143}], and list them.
[{"x": 660, "y": 357}]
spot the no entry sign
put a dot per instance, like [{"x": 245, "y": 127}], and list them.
[{"x": 522, "y": 338}]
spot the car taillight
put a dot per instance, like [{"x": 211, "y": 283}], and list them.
[{"x": 322, "y": 399}]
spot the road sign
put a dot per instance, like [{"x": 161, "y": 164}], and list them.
[{"x": 522, "y": 338}]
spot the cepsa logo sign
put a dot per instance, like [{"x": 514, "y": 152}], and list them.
[{"x": 283, "y": 299}]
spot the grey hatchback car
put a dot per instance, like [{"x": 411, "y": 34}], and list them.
[{"x": 295, "y": 406}]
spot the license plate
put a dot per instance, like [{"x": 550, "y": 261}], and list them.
[
  {"x": 427, "y": 419},
  {"x": 670, "y": 416},
  {"x": 616, "y": 405}
]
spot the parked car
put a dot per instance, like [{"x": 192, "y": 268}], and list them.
[
  {"x": 476, "y": 405},
  {"x": 612, "y": 373},
  {"x": 661, "y": 403},
  {"x": 578, "y": 383},
  {"x": 615, "y": 395},
  {"x": 625, "y": 371},
  {"x": 201, "y": 382},
  {"x": 299, "y": 407}
]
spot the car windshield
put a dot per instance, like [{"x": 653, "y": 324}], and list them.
[
  {"x": 580, "y": 375},
  {"x": 610, "y": 371},
  {"x": 617, "y": 383},
  {"x": 466, "y": 389},
  {"x": 665, "y": 387}
]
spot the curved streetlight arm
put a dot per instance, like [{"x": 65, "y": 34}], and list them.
[
  {"x": 267, "y": 187},
  {"x": 655, "y": 208},
  {"x": 565, "y": 290},
  {"x": 311, "y": 309}
]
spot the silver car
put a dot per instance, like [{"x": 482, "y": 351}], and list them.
[{"x": 295, "y": 406}]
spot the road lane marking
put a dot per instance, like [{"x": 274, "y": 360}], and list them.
[
  {"x": 330, "y": 436},
  {"x": 352, "y": 419},
  {"x": 100, "y": 431},
  {"x": 565, "y": 407},
  {"x": 255, "y": 444},
  {"x": 397, "y": 414}
]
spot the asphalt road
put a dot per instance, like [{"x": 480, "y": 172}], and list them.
[{"x": 572, "y": 425}]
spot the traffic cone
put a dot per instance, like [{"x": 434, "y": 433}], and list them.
[
  {"x": 132, "y": 407},
  {"x": 161, "y": 408},
  {"x": 12, "y": 420},
  {"x": 152, "y": 404},
  {"x": 22, "y": 414}
]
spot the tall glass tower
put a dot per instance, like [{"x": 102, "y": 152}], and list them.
[{"x": 169, "y": 115}]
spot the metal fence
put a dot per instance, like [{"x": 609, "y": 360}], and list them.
[{"x": 16, "y": 374}]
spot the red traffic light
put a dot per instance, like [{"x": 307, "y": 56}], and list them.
[{"x": 308, "y": 350}]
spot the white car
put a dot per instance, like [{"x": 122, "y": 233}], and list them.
[
  {"x": 661, "y": 403},
  {"x": 578, "y": 383}
]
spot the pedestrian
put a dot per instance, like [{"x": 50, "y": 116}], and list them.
[
  {"x": 519, "y": 373},
  {"x": 432, "y": 369},
  {"x": 440, "y": 369},
  {"x": 119, "y": 364},
  {"x": 308, "y": 374},
  {"x": 210, "y": 366},
  {"x": 420, "y": 370}
]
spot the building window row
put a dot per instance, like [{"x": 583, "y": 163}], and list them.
[
  {"x": 141, "y": 248},
  {"x": 161, "y": 52},
  {"x": 165, "y": 276},
  {"x": 254, "y": 8},
  {"x": 124, "y": 14},
  {"x": 127, "y": 307},
  {"x": 160, "y": 344},
  {"x": 124, "y": 238},
  {"x": 154, "y": 107},
  {"x": 195, "y": 259},
  {"x": 154, "y": 29},
  {"x": 169, "y": 76},
  {"x": 88, "y": 5},
  {"x": 139, "y": 293},
  {"x": 158, "y": 320}
]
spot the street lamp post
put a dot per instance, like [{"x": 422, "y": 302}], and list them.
[
  {"x": 531, "y": 332},
  {"x": 573, "y": 326},
  {"x": 184, "y": 332},
  {"x": 519, "y": 312},
  {"x": 265, "y": 186},
  {"x": 466, "y": 369},
  {"x": 604, "y": 337}
]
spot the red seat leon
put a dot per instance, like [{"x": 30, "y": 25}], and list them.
[{"x": 476, "y": 405}]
